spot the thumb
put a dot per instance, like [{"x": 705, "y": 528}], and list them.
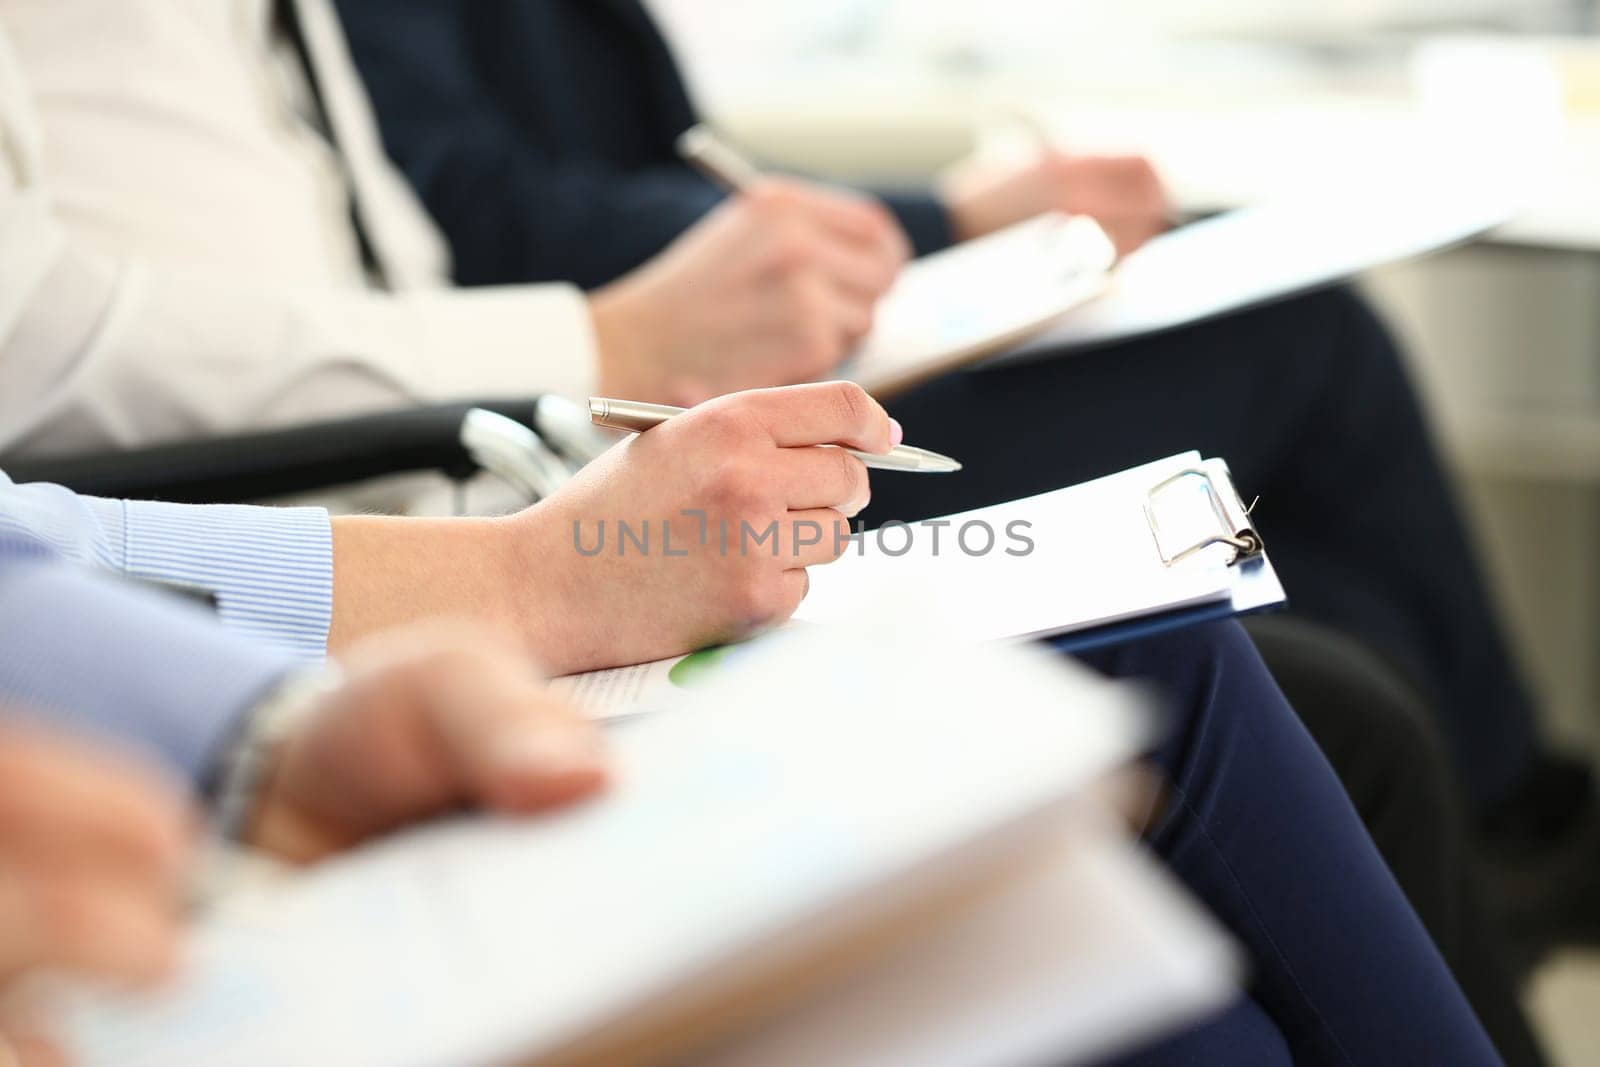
[
  {"x": 430, "y": 720},
  {"x": 518, "y": 748}
]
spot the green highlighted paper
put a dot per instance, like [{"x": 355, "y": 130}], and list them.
[{"x": 695, "y": 668}]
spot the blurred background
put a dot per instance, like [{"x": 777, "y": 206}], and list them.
[{"x": 1238, "y": 100}]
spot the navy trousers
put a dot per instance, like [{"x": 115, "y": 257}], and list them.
[
  {"x": 1257, "y": 826},
  {"x": 1308, "y": 402}
]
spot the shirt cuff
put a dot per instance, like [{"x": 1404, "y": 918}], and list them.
[
  {"x": 924, "y": 219},
  {"x": 97, "y": 655},
  {"x": 271, "y": 569},
  {"x": 508, "y": 341}
]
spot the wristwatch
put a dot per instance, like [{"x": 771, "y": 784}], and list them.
[{"x": 242, "y": 773}]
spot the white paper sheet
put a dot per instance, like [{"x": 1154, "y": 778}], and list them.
[
  {"x": 1253, "y": 255},
  {"x": 637, "y": 689},
  {"x": 1093, "y": 561}
]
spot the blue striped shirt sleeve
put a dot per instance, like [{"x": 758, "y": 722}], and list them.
[
  {"x": 99, "y": 656},
  {"x": 271, "y": 569}
]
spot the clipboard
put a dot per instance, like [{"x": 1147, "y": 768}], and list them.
[
  {"x": 1166, "y": 538},
  {"x": 1269, "y": 251},
  {"x": 1255, "y": 589},
  {"x": 1176, "y": 527},
  {"x": 984, "y": 297}
]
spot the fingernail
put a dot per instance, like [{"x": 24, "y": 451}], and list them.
[{"x": 896, "y": 433}]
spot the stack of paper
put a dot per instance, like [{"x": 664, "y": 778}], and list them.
[
  {"x": 1071, "y": 964},
  {"x": 848, "y": 793}
]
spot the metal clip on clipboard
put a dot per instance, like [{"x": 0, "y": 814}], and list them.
[{"x": 1229, "y": 522}]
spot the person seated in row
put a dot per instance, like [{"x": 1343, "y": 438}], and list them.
[
  {"x": 541, "y": 135},
  {"x": 310, "y": 585},
  {"x": 144, "y": 308},
  {"x": 1256, "y": 824}
]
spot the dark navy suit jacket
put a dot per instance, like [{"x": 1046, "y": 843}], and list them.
[{"x": 540, "y": 133}]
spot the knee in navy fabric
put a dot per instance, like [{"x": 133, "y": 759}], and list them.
[{"x": 1188, "y": 667}]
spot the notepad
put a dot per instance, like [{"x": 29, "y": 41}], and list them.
[
  {"x": 1258, "y": 254},
  {"x": 953, "y": 307},
  {"x": 761, "y": 833}
]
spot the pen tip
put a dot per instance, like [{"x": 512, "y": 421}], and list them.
[{"x": 929, "y": 462}]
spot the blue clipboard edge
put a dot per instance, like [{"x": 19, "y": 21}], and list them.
[
  {"x": 1119, "y": 633},
  {"x": 1256, "y": 590}
]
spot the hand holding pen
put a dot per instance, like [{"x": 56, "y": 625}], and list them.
[{"x": 775, "y": 286}]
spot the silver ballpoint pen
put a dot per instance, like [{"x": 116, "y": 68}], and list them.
[
  {"x": 636, "y": 417},
  {"x": 716, "y": 159}
]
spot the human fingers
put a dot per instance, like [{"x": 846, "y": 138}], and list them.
[
  {"x": 825, "y": 322},
  {"x": 432, "y": 718},
  {"x": 851, "y": 265},
  {"x": 793, "y": 585},
  {"x": 873, "y": 228},
  {"x": 813, "y": 537},
  {"x": 848, "y": 214},
  {"x": 824, "y": 478},
  {"x": 821, "y": 413},
  {"x": 517, "y": 747},
  {"x": 67, "y": 806},
  {"x": 120, "y": 928}
]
